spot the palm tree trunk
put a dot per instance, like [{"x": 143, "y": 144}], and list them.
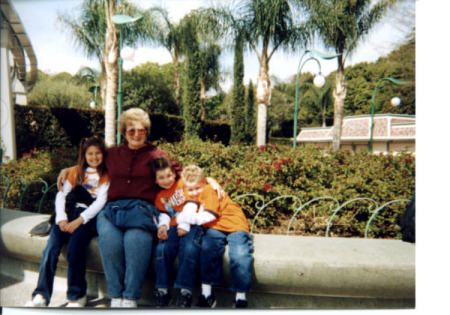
[
  {"x": 176, "y": 79},
  {"x": 263, "y": 95},
  {"x": 339, "y": 98},
  {"x": 110, "y": 59},
  {"x": 103, "y": 84},
  {"x": 203, "y": 98}
]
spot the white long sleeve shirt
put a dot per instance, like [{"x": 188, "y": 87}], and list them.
[{"x": 93, "y": 185}]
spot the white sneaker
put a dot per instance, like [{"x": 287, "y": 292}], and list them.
[
  {"x": 128, "y": 303},
  {"x": 37, "y": 301},
  {"x": 81, "y": 302},
  {"x": 116, "y": 303}
]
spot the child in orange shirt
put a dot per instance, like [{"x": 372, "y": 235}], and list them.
[
  {"x": 225, "y": 223},
  {"x": 174, "y": 239}
]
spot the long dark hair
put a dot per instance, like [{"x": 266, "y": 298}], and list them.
[{"x": 85, "y": 143}]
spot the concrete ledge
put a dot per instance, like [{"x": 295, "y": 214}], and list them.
[{"x": 289, "y": 271}]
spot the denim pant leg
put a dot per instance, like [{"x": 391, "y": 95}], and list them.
[
  {"x": 49, "y": 262},
  {"x": 138, "y": 245},
  {"x": 240, "y": 250},
  {"x": 211, "y": 257},
  {"x": 189, "y": 258},
  {"x": 166, "y": 252},
  {"x": 76, "y": 257},
  {"x": 110, "y": 244}
]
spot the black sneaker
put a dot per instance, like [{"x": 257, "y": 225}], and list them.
[
  {"x": 241, "y": 304},
  {"x": 210, "y": 301},
  {"x": 161, "y": 298},
  {"x": 184, "y": 300}
]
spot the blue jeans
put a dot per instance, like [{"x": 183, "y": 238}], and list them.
[
  {"x": 240, "y": 250},
  {"x": 77, "y": 243},
  {"x": 125, "y": 257},
  {"x": 188, "y": 249}
]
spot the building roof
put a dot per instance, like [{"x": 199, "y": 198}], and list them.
[
  {"x": 357, "y": 128},
  {"x": 19, "y": 44}
]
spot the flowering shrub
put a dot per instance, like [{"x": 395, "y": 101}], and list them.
[
  {"x": 32, "y": 167},
  {"x": 274, "y": 171}
]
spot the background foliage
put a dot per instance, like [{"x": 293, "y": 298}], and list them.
[
  {"x": 307, "y": 173},
  {"x": 45, "y": 127},
  {"x": 273, "y": 171}
]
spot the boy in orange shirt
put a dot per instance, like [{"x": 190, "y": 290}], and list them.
[
  {"x": 225, "y": 223},
  {"x": 174, "y": 240}
]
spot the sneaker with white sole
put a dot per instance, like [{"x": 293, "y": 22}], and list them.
[
  {"x": 37, "y": 301},
  {"x": 129, "y": 303},
  {"x": 81, "y": 302},
  {"x": 116, "y": 303}
]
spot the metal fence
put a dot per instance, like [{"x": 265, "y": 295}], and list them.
[{"x": 42, "y": 191}]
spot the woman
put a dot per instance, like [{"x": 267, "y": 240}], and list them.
[{"x": 126, "y": 227}]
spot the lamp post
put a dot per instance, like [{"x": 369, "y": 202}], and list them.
[
  {"x": 318, "y": 81},
  {"x": 395, "y": 101},
  {"x": 94, "y": 90},
  {"x": 120, "y": 19}
]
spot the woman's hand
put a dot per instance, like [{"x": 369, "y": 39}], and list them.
[
  {"x": 162, "y": 233},
  {"x": 75, "y": 224},
  {"x": 181, "y": 232},
  {"x": 215, "y": 185},
  {"x": 62, "y": 177}
]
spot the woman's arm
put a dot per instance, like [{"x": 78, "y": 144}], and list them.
[
  {"x": 63, "y": 174},
  {"x": 215, "y": 185}
]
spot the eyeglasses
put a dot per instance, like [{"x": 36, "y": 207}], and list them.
[{"x": 140, "y": 132}]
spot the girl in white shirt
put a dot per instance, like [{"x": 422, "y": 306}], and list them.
[{"x": 84, "y": 194}]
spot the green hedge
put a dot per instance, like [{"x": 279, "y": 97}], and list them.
[
  {"x": 275, "y": 170},
  {"x": 43, "y": 127},
  {"x": 272, "y": 171}
]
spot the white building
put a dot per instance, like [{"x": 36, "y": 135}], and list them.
[
  {"x": 17, "y": 58},
  {"x": 392, "y": 133}
]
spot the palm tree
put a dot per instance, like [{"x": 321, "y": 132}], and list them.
[
  {"x": 208, "y": 34},
  {"x": 89, "y": 76},
  {"x": 169, "y": 35},
  {"x": 341, "y": 25},
  {"x": 95, "y": 33},
  {"x": 321, "y": 97},
  {"x": 267, "y": 26}
]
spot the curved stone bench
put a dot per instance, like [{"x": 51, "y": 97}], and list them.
[{"x": 289, "y": 271}]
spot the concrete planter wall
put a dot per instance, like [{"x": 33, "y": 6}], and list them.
[{"x": 289, "y": 271}]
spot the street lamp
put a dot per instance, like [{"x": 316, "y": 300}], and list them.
[
  {"x": 93, "y": 89},
  {"x": 120, "y": 19},
  {"x": 395, "y": 102},
  {"x": 318, "y": 81}
]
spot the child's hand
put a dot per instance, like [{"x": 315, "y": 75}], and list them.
[
  {"x": 162, "y": 233},
  {"x": 63, "y": 225},
  {"x": 75, "y": 224},
  {"x": 181, "y": 232}
]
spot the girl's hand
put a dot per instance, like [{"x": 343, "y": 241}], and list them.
[
  {"x": 181, "y": 232},
  {"x": 215, "y": 185},
  {"x": 162, "y": 233},
  {"x": 63, "y": 225},
  {"x": 61, "y": 178},
  {"x": 75, "y": 224}
]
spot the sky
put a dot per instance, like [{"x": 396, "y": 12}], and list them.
[{"x": 56, "y": 51}]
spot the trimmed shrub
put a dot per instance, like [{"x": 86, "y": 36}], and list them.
[
  {"x": 273, "y": 172},
  {"x": 42, "y": 127}
]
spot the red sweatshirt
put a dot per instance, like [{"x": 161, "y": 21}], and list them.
[{"x": 130, "y": 173}]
